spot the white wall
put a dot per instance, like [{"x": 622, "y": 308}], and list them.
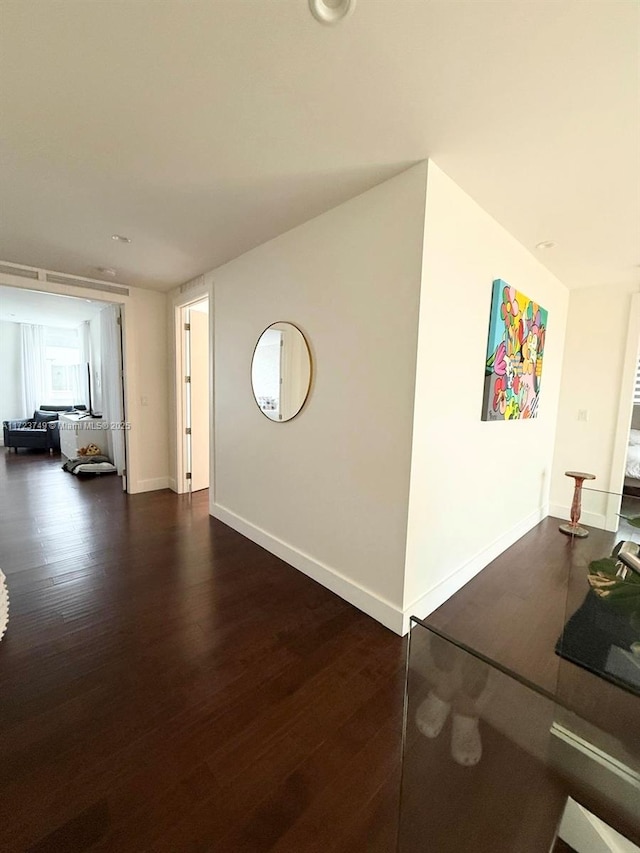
[
  {"x": 599, "y": 345},
  {"x": 145, "y": 352},
  {"x": 10, "y": 396},
  {"x": 146, "y": 392},
  {"x": 327, "y": 490},
  {"x": 475, "y": 486}
]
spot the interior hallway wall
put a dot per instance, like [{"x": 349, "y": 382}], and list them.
[
  {"x": 327, "y": 490},
  {"x": 476, "y": 487}
]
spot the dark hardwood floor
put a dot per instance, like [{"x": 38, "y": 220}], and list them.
[
  {"x": 167, "y": 685},
  {"x": 515, "y": 610}
]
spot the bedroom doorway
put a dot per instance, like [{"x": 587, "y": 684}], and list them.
[
  {"x": 195, "y": 396},
  {"x": 61, "y": 365},
  {"x": 630, "y": 503},
  {"x": 624, "y": 486}
]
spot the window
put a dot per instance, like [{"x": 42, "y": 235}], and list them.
[{"x": 62, "y": 357}]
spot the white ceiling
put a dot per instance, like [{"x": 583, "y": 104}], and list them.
[
  {"x": 201, "y": 129},
  {"x": 45, "y": 309}
]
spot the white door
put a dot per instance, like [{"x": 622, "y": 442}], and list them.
[{"x": 199, "y": 399}]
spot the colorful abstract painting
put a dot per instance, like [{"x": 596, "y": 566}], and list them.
[{"x": 515, "y": 355}]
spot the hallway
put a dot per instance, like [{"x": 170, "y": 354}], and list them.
[{"x": 167, "y": 685}]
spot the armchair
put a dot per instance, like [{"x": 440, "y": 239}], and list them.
[{"x": 39, "y": 432}]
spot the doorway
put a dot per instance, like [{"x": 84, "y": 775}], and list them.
[
  {"x": 196, "y": 396},
  {"x": 623, "y": 499},
  {"x": 62, "y": 365}
]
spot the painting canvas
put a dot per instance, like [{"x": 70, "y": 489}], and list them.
[{"x": 515, "y": 355}]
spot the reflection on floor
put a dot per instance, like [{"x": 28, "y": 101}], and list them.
[
  {"x": 534, "y": 755},
  {"x": 508, "y": 802},
  {"x": 514, "y": 612}
]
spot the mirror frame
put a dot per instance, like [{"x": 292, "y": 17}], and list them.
[{"x": 253, "y": 355}]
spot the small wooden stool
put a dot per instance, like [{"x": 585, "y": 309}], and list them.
[{"x": 573, "y": 528}]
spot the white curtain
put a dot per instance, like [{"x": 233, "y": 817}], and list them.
[
  {"x": 79, "y": 373},
  {"x": 34, "y": 366},
  {"x": 111, "y": 370}
]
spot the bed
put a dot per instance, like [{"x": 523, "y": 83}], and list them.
[{"x": 632, "y": 466}]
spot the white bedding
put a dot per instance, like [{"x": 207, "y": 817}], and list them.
[{"x": 633, "y": 462}]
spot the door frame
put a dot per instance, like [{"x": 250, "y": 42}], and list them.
[
  {"x": 625, "y": 412},
  {"x": 122, "y": 320},
  {"x": 188, "y": 295},
  {"x": 39, "y": 284}
]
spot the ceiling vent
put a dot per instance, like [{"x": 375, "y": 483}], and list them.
[
  {"x": 22, "y": 272},
  {"x": 85, "y": 282},
  {"x": 59, "y": 278}
]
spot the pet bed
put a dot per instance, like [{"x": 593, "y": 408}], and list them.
[{"x": 89, "y": 465}]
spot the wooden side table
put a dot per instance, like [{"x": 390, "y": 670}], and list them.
[{"x": 573, "y": 528}]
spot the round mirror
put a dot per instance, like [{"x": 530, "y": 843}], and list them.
[{"x": 281, "y": 371}]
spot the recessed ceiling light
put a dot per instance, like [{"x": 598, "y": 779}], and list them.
[
  {"x": 546, "y": 244},
  {"x": 331, "y": 11},
  {"x": 120, "y": 238},
  {"x": 106, "y": 271}
]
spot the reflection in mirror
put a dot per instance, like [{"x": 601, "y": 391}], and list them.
[{"x": 281, "y": 371}]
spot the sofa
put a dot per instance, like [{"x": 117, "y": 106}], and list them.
[{"x": 39, "y": 432}]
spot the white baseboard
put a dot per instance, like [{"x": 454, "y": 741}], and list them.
[
  {"x": 432, "y": 599},
  {"x": 560, "y": 511},
  {"x": 378, "y": 608},
  {"x": 173, "y": 485},
  {"x": 591, "y": 519},
  {"x": 152, "y": 485}
]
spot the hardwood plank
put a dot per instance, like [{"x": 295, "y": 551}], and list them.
[
  {"x": 78, "y": 834},
  {"x": 163, "y": 675},
  {"x": 168, "y": 685}
]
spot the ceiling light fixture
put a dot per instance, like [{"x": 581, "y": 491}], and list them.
[
  {"x": 120, "y": 238},
  {"x": 331, "y": 11},
  {"x": 546, "y": 244},
  {"x": 107, "y": 271}
]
